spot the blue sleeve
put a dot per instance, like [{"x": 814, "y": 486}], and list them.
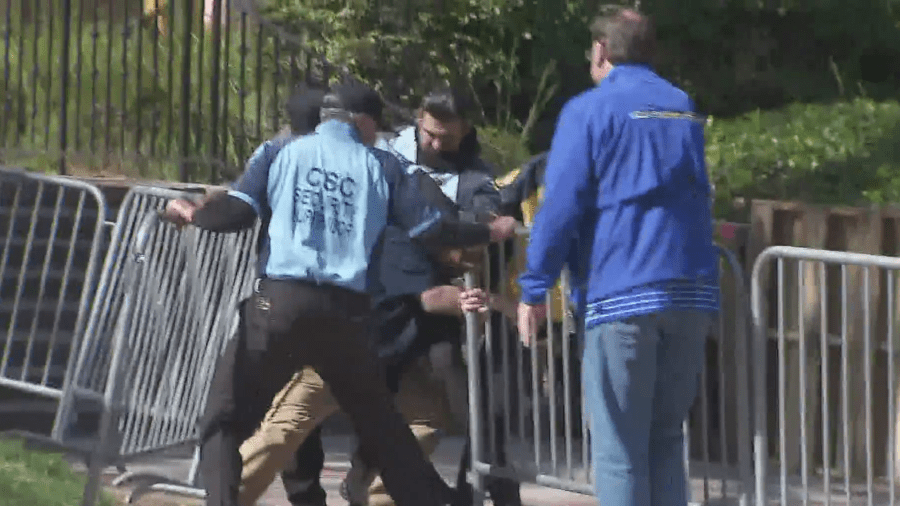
[
  {"x": 253, "y": 185},
  {"x": 568, "y": 190},
  {"x": 408, "y": 209},
  {"x": 698, "y": 139}
]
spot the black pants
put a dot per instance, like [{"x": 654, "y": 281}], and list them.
[
  {"x": 288, "y": 325},
  {"x": 303, "y": 475},
  {"x": 302, "y": 480},
  {"x": 404, "y": 332}
]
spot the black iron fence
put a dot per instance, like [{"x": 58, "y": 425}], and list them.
[{"x": 153, "y": 89}]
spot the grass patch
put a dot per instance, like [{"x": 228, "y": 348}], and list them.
[{"x": 29, "y": 477}]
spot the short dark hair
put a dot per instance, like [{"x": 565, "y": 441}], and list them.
[
  {"x": 303, "y": 109},
  {"x": 448, "y": 104},
  {"x": 354, "y": 97},
  {"x": 630, "y": 37}
]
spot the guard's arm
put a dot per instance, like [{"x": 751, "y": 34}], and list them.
[
  {"x": 486, "y": 202},
  {"x": 238, "y": 208},
  {"x": 416, "y": 208},
  {"x": 222, "y": 212},
  {"x": 427, "y": 223}
]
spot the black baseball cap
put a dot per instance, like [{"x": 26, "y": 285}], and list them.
[
  {"x": 357, "y": 98},
  {"x": 303, "y": 109}
]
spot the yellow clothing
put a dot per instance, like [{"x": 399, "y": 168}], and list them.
[{"x": 529, "y": 210}]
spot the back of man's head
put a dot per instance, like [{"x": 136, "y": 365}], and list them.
[
  {"x": 629, "y": 37},
  {"x": 303, "y": 109}
]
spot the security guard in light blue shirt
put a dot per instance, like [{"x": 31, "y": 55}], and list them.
[
  {"x": 327, "y": 198},
  {"x": 325, "y": 220}
]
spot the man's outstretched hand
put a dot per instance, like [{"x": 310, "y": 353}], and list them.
[
  {"x": 503, "y": 228},
  {"x": 180, "y": 212}
]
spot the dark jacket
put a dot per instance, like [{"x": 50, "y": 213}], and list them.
[
  {"x": 466, "y": 172},
  {"x": 524, "y": 185},
  {"x": 467, "y": 185}
]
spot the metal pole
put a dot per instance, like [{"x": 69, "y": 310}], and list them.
[
  {"x": 760, "y": 342},
  {"x": 186, "y": 89},
  {"x": 64, "y": 86},
  {"x": 214, "y": 88},
  {"x": 473, "y": 365}
]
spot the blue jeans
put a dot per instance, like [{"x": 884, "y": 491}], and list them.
[{"x": 641, "y": 377}]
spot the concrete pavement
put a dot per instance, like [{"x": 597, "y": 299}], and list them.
[
  {"x": 337, "y": 458},
  {"x": 446, "y": 459}
]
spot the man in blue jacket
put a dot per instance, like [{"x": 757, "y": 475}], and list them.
[{"x": 626, "y": 176}]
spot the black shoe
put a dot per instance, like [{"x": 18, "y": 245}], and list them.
[
  {"x": 313, "y": 496},
  {"x": 504, "y": 492},
  {"x": 345, "y": 495}
]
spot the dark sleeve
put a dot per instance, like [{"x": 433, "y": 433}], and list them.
[
  {"x": 486, "y": 201},
  {"x": 526, "y": 183},
  {"x": 225, "y": 212},
  {"x": 427, "y": 221},
  {"x": 452, "y": 233}
]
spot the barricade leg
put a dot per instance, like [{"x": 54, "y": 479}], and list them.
[
  {"x": 829, "y": 320},
  {"x": 535, "y": 391},
  {"x": 175, "y": 296}
]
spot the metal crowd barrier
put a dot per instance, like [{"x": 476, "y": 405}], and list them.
[
  {"x": 51, "y": 232},
  {"x": 525, "y": 404},
  {"x": 826, "y": 371},
  {"x": 137, "y": 340},
  {"x": 165, "y": 308}
]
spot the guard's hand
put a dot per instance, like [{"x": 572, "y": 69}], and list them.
[
  {"x": 530, "y": 318},
  {"x": 473, "y": 301},
  {"x": 502, "y": 228},
  {"x": 180, "y": 212}
]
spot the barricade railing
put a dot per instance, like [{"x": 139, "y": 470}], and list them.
[
  {"x": 526, "y": 410},
  {"x": 165, "y": 309},
  {"x": 825, "y": 377},
  {"x": 51, "y": 234}
]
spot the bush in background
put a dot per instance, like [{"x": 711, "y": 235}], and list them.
[{"x": 843, "y": 153}]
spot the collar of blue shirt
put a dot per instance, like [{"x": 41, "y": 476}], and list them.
[
  {"x": 339, "y": 129},
  {"x": 626, "y": 70}
]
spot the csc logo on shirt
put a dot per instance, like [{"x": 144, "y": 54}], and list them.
[
  {"x": 326, "y": 201},
  {"x": 331, "y": 181}
]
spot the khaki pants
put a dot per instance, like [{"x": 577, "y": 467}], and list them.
[{"x": 306, "y": 401}]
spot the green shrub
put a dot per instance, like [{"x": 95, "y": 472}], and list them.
[
  {"x": 505, "y": 149},
  {"x": 841, "y": 153}
]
